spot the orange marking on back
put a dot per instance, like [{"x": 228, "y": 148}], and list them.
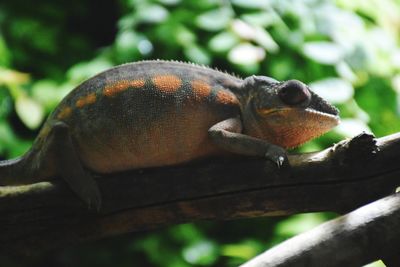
[
  {"x": 121, "y": 86},
  {"x": 167, "y": 83},
  {"x": 226, "y": 97},
  {"x": 64, "y": 113},
  {"x": 91, "y": 98},
  {"x": 86, "y": 100},
  {"x": 201, "y": 89}
]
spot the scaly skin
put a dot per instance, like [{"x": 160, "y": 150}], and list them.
[{"x": 157, "y": 113}]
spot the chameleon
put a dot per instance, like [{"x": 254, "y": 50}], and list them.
[{"x": 158, "y": 113}]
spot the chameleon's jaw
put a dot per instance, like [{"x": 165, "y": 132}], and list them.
[{"x": 291, "y": 127}]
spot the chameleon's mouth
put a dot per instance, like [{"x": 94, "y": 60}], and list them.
[
  {"x": 292, "y": 127},
  {"x": 314, "y": 113}
]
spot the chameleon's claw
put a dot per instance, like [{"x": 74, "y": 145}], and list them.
[
  {"x": 277, "y": 155},
  {"x": 280, "y": 161}
]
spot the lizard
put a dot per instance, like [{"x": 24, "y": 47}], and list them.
[{"x": 158, "y": 113}]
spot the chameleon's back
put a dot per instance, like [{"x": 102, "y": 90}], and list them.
[{"x": 145, "y": 114}]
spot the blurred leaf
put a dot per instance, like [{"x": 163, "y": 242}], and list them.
[
  {"x": 6, "y": 136},
  {"x": 352, "y": 127},
  {"x": 152, "y": 13},
  {"x": 5, "y": 56},
  {"x": 334, "y": 90},
  {"x": 244, "y": 30},
  {"x": 223, "y": 42},
  {"x": 197, "y": 54},
  {"x": 84, "y": 70},
  {"x": 169, "y": 2},
  {"x": 10, "y": 143},
  {"x": 203, "y": 252},
  {"x": 379, "y": 100},
  {"x": 256, "y": 4},
  {"x": 5, "y": 103},
  {"x": 256, "y": 33},
  {"x": 145, "y": 47},
  {"x": 299, "y": 223},
  {"x": 214, "y": 20},
  {"x": 246, "y": 54},
  {"x": 39, "y": 36},
  {"x": 264, "y": 39},
  {"x": 127, "y": 22},
  {"x": 126, "y": 45},
  {"x": 184, "y": 36},
  {"x": 48, "y": 93},
  {"x": 186, "y": 233},
  {"x": 345, "y": 71},
  {"x": 323, "y": 52},
  {"x": 262, "y": 19},
  {"x": 12, "y": 77},
  {"x": 375, "y": 264},
  {"x": 29, "y": 111},
  {"x": 245, "y": 250}
]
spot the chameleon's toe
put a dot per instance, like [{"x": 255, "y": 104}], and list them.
[{"x": 93, "y": 198}]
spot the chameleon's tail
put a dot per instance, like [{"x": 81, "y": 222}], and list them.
[{"x": 12, "y": 172}]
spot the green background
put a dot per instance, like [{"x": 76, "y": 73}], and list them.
[{"x": 348, "y": 51}]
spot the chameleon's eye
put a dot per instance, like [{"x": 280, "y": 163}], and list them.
[{"x": 294, "y": 92}]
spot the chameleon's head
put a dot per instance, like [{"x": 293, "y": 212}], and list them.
[{"x": 286, "y": 113}]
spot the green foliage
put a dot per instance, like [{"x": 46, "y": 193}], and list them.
[{"x": 347, "y": 50}]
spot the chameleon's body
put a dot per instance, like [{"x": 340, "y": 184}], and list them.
[{"x": 157, "y": 113}]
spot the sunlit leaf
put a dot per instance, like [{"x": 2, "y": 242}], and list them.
[
  {"x": 255, "y": 33},
  {"x": 323, "y": 52},
  {"x": 12, "y": 77},
  {"x": 169, "y": 2},
  {"x": 262, "y": 19},
  {"x": 244, "y": 250},
  {"x": 203, "y": 252},
  {"x": 126, "y": 44},
  {"x": 396, "y": 59},
  {"x": 152, "y": 14},
  {"x": 345, "y": 71},
  {"x": 145, "y": 47},
  {"x": 334, "y": 90},
  {"x": 256, "y": 4},
  {"x": 184, "y": 36},
  {"x": 197, "y": 54},
  {"x": 29, "y": 111},
  {"x": 244, "y": 30},
  {"x": 246, "y": 53},
  {"x": 299, "y": 223},
  {"x": 223, "y": 41},
  {"x": 375, "y": 264},
  {"x": 84, "y": 70},
  {"x": 264, "y": 39},
  {"x": 48, "y": 93},
  {"x": 214, "y": 20},
  {"x": 352, "y": 127},
  {"x": 186, "y": 233}
]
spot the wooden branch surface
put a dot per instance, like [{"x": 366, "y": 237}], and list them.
[
  {"x": 358, "y": 238},
  {"x": 340, "y": 178}
]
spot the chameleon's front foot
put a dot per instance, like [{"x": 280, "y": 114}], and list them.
[{"x": 92, "y": 197}]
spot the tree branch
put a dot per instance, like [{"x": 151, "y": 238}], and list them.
[
  {"x": 340, "y": 178},
  {"x": 360, "y": 237}
]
